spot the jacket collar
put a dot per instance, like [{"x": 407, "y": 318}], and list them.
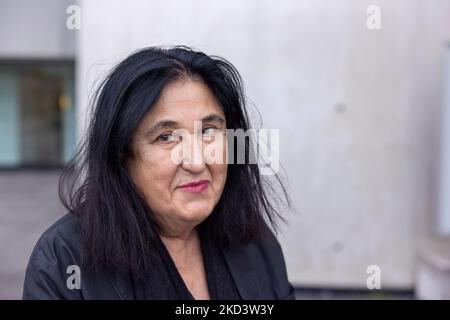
[
  {"x": 243, "y": 272},
  {"x": 238, "y": 261}
]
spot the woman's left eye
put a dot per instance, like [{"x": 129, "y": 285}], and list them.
[
  {"x": 209, "y": 134},
  {"x": 209, "y": 131}
]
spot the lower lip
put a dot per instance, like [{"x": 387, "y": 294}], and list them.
[{"x": 195, "y": 189}]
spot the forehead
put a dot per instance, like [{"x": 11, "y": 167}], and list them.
[{"x": 184, "y": 100}]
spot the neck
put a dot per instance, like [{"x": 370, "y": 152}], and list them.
[{"x": 180, "y": 242}]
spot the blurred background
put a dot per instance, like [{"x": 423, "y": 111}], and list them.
[{"x": 360, "y": 91}]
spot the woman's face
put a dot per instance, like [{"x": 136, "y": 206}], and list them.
[{"x": 173, "y": 146}]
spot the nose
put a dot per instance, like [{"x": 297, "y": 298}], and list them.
[{"x": 193, "y": 159}]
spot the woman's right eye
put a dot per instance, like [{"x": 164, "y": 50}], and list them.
[{"x": 168, "y": 138}]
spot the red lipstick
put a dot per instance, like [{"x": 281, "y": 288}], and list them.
[{"x": 195, "y": 187}]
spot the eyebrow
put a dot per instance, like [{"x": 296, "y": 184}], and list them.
[
  {"x": 160, "y": 125},
  {"x": 213, "y": 117},
  {"x": 171, "y": 124}
]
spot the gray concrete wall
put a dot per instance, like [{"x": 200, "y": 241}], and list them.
[
  {"x": 358, "y": 112},
  {"x": 443, "y": 225},
  {"x": 35, "y": 29},
  {"x": 28, "y": 206}
]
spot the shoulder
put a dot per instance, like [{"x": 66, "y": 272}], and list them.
[
  {"x": 269, "y": 262},
  {"x": 57, "y": 252},
  {"x": 60, "y": 240},
  {"x": 259, "y": 269},
  {"x": 268, "y": 249}
]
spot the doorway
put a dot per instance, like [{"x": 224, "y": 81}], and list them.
[{"x": 41, "y": 118}]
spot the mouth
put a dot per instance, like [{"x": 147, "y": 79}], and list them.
[{"x": 195, "y": 186}]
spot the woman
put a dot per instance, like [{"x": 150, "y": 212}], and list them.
[{"x": 150, "y": 215}]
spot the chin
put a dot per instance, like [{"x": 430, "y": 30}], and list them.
[{"x": 196, "y": 212}]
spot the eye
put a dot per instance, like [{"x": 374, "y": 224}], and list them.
[
  {"x": 209, "y": 133},
  {"x": 168, "y": 137}
]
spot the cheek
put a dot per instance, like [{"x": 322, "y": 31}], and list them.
[
  {"x": 219, "y": 174},
  {"x": 153, "y": 172},
  {"x": 216, "y": 152}
]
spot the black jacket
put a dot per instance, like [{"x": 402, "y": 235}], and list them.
[{"x": 258, "y": 270}]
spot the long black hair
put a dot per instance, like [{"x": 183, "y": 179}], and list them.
[{"x": 115, "y": 222}]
